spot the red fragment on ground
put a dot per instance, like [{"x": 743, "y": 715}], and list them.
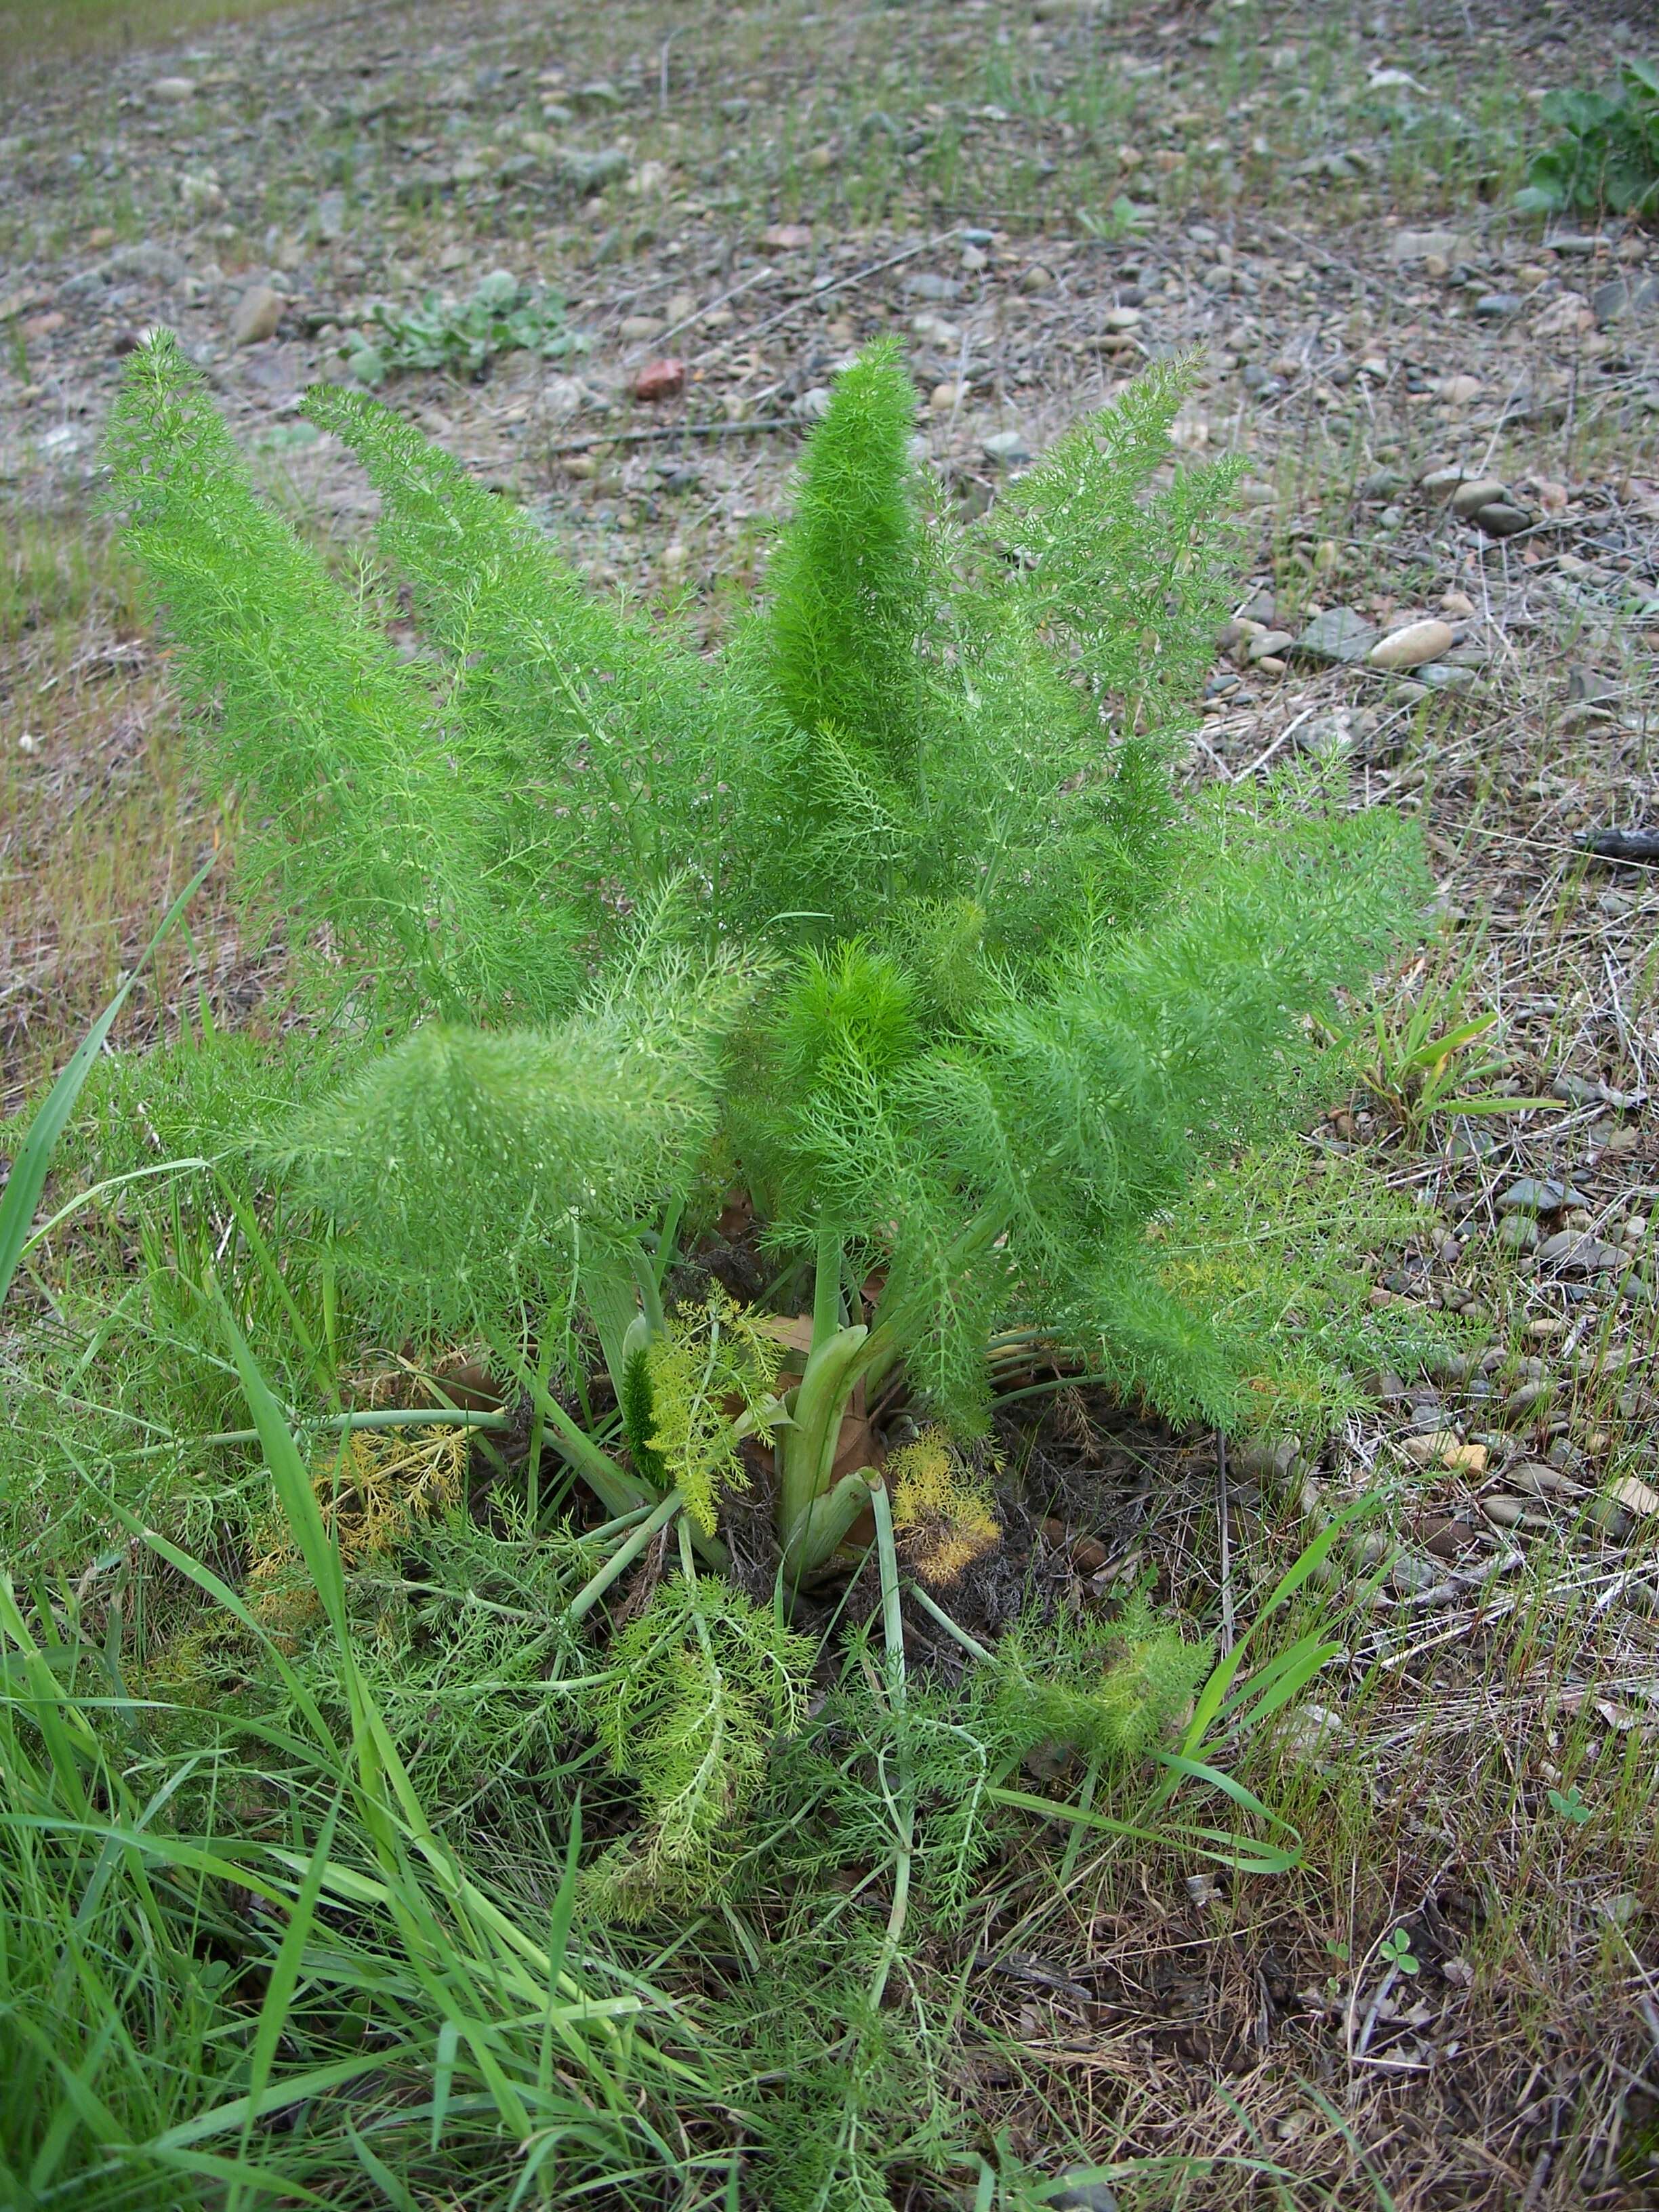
[{"x": 659, "y": 379}]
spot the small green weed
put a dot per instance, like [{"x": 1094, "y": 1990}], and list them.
[
  {"x": 1606, "y": 158},
  {"x": 504, "y": 315},
  {"x": 1568, "y": 1805},
  {"x": 1417, "y": 1060},
  {"x": 1395, "y": 1951}
]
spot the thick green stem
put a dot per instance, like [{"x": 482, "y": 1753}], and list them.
[
  {"x": 533, "y": 1465},
  {"x": 904, "y": 1805},
  {"x": 649, "y": 1286},
  {"x": 607, "y": 1282},
  {"x": 811, "y": 1541},
  {"x": 807, "y": 1447},
  {"x": 826, "y": 1286},
  {"x": 812, "y": 1515},
  {"x": 610, "y": 1484},
  {"x": 379, "y": 1417},
  {"x": 952, "y": 1628},
  {"x": 623, "y": 1557},
  {"x": 613, "y": 1485}
]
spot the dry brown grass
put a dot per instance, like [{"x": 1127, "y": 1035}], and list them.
[
  {"x": 100, "y": 824},
  {"x": 1226, "y": 2041}
]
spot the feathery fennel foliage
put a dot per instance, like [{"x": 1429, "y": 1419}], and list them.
[
  {"x": 848, "y": 583},
  {"x": 932, "y": 961},
  {"x": 466, "y": 1171},
  {"x": 365, "y": 822},
  {"x": 594, "y": 735},
  {"x": 693, "y": 1390},
  {"x": 1113, "y": 1691},
  {"x": 701, "y": 1683}
]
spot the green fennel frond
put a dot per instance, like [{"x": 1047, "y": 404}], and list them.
[
  {"x": 708, "y": 1368},
  {"x": 366, "y": 819},
  {"x": 699, "y": 1685},
  {"x": 466, "y": 1171},
  {"x": 848, "y": 581},
  {"x": 1110, "y": 1690},
  {"x": 601, "y": 729}
]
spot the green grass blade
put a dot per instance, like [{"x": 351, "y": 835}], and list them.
[
  {"x": 283, "y": 1982},
  {"x": 1492, "y": 1103},
  {"x": 291, "y": 1479},
  {"x": 1215, "y": 1694},
  {"x": 22, "y": 1195},
  {"x": 443, "y": 2077},
  {"x": 381, "y": 2173}
]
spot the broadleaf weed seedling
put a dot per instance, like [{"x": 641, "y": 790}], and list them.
[
  {"x": 503, "y": 315},
  {"x": 1395, "y": 1951},
  {"x": 1607, "y": 155},
  {"x": 1568, "y": 1805}
]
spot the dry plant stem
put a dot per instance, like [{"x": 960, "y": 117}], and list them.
[
  {"x": 665, "y": 433},
  {"x": 1224, "y": 1519},
  {"x": 837, "y": 284}
]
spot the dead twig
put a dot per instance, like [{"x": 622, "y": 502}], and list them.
[
  {"x": 821, "y": 291},
  {"x": 662, "y": 433}
]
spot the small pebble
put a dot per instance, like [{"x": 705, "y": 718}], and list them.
[
  {"x": 1409, "y": 647},
  {"x": 1006, "y": 447},
  {"x": 1443, "y": 1448},
  {"x": 1530, "y": 1195},
  {"x": 1091, "y": 2196},
  {"x": 1408, "y": 1574},
  {"x": 1504, "y": 1512},
  {"x": 1470, "y": 497},
  {"x": 257, "y": 314},
  {"x": 1528, "y": 1395},
  {"x": 660, "y": 380}
]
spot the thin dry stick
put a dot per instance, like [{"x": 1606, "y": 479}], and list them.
[
  {"x": 823, "y": 291},
  {"x": 1262, "y": 758},
  {"x": 757, "y": 277},
  {"x": 662, "y": 433}
]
